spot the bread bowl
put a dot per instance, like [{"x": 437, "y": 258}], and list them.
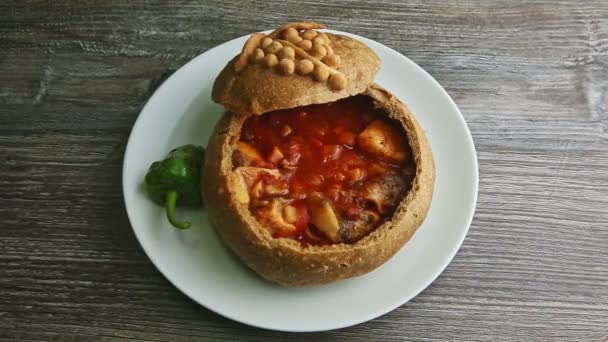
[{"x": 362, "y": 178}]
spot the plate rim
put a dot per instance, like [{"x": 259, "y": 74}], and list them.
[{"x": 346, "y": 323}]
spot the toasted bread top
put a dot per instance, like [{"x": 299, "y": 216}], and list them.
[{"x": 293, "y": 66}]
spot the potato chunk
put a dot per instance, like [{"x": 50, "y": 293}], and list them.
[
  {"x": 247, "y": 155},
  {"x": 383, "y": 141},
  {"x": 323, "y": 216},
  {"x": 272, "y": 217},
  {"x": 245, "y": 181}
]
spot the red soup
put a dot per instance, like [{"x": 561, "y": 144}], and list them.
[{"x": 327, "y": 173}]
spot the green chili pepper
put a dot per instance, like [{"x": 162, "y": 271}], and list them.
[{"x": 176, "y": 179}]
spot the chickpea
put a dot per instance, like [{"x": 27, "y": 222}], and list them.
[
  {"x": 287, "y": 66},
  {"x": 290, "y": 32},
  {"x": 309, "y": 34},
  {"x": 319, "y": 40},
  {"x": 266, "y": 42},
  {"x": 327, "y": 40},
  {"x": 337, "y": 82},
  {"x": 332, "y": 61},
  {"x": 321, "y": 73},
  {"x": 305, "y": 45},
  {"x": 287, "y": 52},
  {"x": 257, "y": 56},
  {"x": 270, "y": 60},
  {"x": 274, "y": 47},
  {"x": 305, "y": 67},
  {"x": 294, "y": 39},
  {"x": 330, "y": 50},
  {"x": 318, "y": 51}
]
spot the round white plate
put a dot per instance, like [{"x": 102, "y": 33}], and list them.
[{"x": 197, "y": 263}]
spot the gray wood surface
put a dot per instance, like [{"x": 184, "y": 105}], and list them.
[{"x": 531, "y": 79}]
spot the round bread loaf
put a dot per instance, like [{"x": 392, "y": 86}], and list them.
[
  {"x": 283, "y": 260},
  {"x": 286, "y": 70}
]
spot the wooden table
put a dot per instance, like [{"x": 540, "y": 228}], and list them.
[{"x": 531, "y": 79}]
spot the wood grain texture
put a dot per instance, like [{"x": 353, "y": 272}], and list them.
[{"x": 531, "y": 79}]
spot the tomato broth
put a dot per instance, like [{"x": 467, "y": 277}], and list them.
[{"x": 318, "y": 149}]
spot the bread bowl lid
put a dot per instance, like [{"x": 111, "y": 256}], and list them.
[{"x": 294, "y": 65}]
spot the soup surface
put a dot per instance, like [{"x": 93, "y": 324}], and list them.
[{"x": 327, "y": 173}]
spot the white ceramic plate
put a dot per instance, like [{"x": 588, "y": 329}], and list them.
[{"x": 198, "y": 264}]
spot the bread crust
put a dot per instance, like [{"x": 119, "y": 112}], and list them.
[
  {"x": 284, "y": 261},
  {"x": 257, "y": 89}
]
